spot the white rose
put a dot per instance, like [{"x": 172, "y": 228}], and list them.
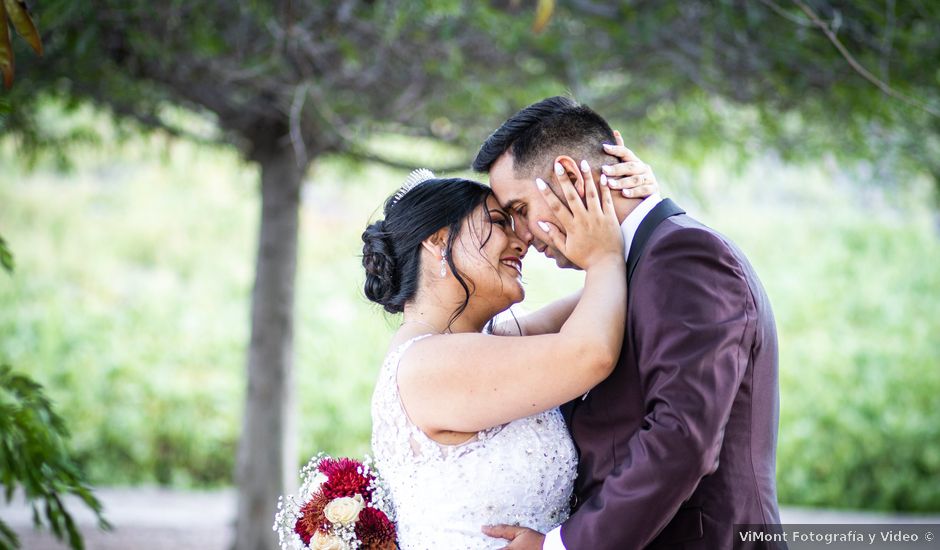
[
  {"x": 323, "y": 541},
  {"x": 344, "y": 510}
]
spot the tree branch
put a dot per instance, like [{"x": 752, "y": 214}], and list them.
[
  {"x": 296, "y": 135},
  {"x": 153, "y": 122},
  {"x": 148, "y": 120},
  {"x": 775, "y": 7},
  {"x": 887, "y": 41},
  {"x": 881, "y": 85},
  {"x": 372, "y": 157}
]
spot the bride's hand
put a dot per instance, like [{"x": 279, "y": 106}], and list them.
[
  {"x": 590, "y": 232},
  {"x": 632, "y": 177}
]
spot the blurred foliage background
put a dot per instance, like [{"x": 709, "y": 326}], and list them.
[
  {"x": 134, "y": 275},
  {"x": 134, "y": 152}
]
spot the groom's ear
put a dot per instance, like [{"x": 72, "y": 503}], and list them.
[{"x": 570, "y": 166}]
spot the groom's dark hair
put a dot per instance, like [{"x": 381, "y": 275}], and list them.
[{"x": 544, "y": 130}]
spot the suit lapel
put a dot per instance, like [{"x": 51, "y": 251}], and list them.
[
  {"x": 663, "y": 210},
  {"x": 657, "y": 215}
]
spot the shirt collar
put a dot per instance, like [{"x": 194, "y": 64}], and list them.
[{"x": 634, "y": 219}]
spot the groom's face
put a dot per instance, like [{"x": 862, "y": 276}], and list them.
[{"x": 519, "y": 196}]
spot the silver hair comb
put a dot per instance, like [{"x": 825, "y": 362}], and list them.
[{"x": 420, "y": 175}]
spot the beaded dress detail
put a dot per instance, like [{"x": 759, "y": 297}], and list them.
[{"x": 520, "y": 473}]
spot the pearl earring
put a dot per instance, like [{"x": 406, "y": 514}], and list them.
[{"x": 444, "y": 263}]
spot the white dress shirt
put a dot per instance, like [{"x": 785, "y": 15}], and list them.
[
  {"x": 633, "y": 220},
  {"x": 629, "y": 227}
]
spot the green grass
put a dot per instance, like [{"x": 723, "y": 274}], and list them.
[{"x": 130, "y": 302}]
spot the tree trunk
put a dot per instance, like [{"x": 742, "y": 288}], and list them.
[{"x": 267, "y": 452}]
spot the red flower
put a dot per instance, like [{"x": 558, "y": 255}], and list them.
[
  {"x": 344, "y": 479},
  {"x": 374, "y": 529},
  {"x": 311, "y": 517}
]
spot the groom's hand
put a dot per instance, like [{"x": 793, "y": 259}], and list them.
[{"x": 520, "y": 538}]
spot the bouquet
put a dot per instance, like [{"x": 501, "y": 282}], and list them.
[{"x": 342, "y": 505}]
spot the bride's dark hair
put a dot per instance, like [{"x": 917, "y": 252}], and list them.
[{"x": 391, "y": 249}]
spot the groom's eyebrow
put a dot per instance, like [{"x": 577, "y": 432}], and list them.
[{"x": 511, "y": 205}]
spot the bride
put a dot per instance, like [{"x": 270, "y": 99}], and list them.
[{"x": 466, "y": 426}]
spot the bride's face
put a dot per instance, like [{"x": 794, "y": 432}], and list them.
[{"x": 489, "y": 254}]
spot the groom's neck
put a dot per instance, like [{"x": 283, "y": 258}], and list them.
[{"x": 623, "y": 206}]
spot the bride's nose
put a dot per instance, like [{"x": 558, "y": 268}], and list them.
[
  {"x": 519, "y": 247},
  {"x": 521, "y": 230}
]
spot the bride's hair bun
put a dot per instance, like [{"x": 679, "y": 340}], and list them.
[
  {"x": 391, "y": 248},
  {"x": 378, "y": 259}
]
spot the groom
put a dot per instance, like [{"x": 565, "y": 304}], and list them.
[{"x": 678, "y": 444}]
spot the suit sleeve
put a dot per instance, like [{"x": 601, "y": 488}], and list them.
[{"x": 694, "y": 321}]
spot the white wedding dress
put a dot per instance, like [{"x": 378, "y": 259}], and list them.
[{"x": 520, "y": 473}]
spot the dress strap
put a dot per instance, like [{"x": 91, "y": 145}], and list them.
[{"x": 403, "y": 347}]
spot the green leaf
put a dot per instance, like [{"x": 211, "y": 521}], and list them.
[
  {"x": 39, "y": 463},
  {"x": 8, "y": 538},
  {"x": 6, "y": 257}
]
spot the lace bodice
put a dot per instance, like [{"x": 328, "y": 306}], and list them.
[{"x": 520, "y": 473}]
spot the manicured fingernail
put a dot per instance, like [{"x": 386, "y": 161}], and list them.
[
  {"x": 559, "y": 169},
  {"x": 540, "y": 183},
  {"x": 628, "y": 193},
  {"x": 543, "y": 226},
  {"x": 608, "y": 146},
  {"x": 605, "y": 169},
  {"x": 604, "y": 180},
  {"x": 585, "y": 167}
]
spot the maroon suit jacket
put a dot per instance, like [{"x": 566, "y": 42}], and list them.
[{"x": 678, "y": 444}]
